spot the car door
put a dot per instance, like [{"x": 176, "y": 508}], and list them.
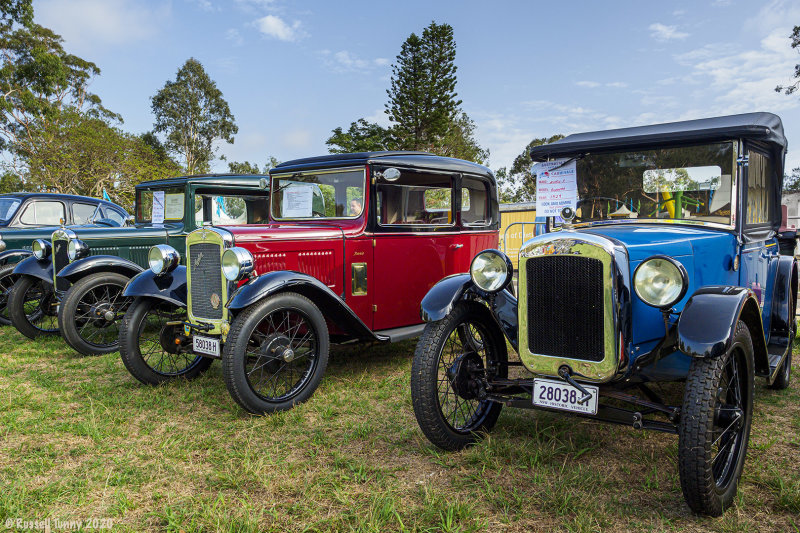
[
  {"x": 760, "y": 252},
  {"x": 416, "y": 243}
]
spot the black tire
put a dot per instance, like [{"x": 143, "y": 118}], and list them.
[
  {"x": 785, "y": 373},
  {"x": 452, "y": 356},
  {"x": 715, "y": 426},
  {"x": 278, "y": 339},
  {"x": 142, "y": 339},
  {"x": 7, "y": 280},
  {"x": 84, "y": 314},
  {"x": 31, "y": 307}
]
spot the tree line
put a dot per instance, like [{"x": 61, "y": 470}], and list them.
[{"x": 56, "y": 135}]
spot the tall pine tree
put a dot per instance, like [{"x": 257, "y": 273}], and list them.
[{"x": 423, "y": 101}]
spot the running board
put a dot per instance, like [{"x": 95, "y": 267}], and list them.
[
  {"x": 400, "y": 334},
  {"x": 776, "y": 354}
]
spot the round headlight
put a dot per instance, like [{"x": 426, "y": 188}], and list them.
[
  {"x": 2, "y": 244},
  {"x": 236, "y": 263},
  {"x": 76, "y": 249},
  {"x": 41, "y": 249},
  {"x": 163, "y": 258},
  {"x": 491, "y": 270},
  {"x": 660, "y": 281}
]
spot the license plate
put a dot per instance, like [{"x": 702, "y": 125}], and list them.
[
  {"x": 560, "y": 395},
  {"x": 206, "y": 345}
]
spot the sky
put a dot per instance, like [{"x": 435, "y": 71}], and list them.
[{"x": 293, "y": 71}]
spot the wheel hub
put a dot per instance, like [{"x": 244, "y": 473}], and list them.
[
  {"x": 279, "y": 347},
  {"x": 167, "y": 338},
  {"x": 464, "y": 374}
]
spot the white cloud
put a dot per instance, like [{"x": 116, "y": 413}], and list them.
[
  {"x": 234, "y": 36},
  {"x": 344, "y": 61},
  {"x": 379, "y": 117},
  {"x": 662, "y": 32},
  {"x": 297, "y": 138},
  {"x": 274, "y": 26},
  {"x": 593, "y": 84},
  {"x": 721, "y": 3},
  {"x": 205, "y": 5},
  {"x": 89, "y": 24}
]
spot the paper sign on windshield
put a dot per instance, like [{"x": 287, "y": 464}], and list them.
[
  {"x": 173, "y": 206},
  {"x": 157, "y": 216},
  {"x": 556, "y": 187},
  {"x": 297, "y": 201}
]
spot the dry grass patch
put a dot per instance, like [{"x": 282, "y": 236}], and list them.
[{"x": 79, "y": 438}]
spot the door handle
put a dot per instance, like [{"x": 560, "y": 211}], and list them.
[{"x": 456, "y": 246}]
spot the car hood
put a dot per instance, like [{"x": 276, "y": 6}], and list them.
[
  {"x": 645, "y": 240},
  {"x": 139, "y": 231},
  {"x": 282, "y": 233}
]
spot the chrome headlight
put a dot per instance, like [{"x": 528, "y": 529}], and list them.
[
  {"x": 237, "y": 263},
  {"x": 41, "y": 249},
  {"x": 163, "y": 259},
  {"x": 491, "y": 270},
  {"x": 77, "y": 249},
  {"x": 660, "y": 281},
  {"x": 2, "y": 244}
]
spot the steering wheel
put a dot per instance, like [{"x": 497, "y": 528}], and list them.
[{"x": 590, "y": 198}]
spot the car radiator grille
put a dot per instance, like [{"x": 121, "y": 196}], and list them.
[
  {"x": 565, "y": 307},
  {"x": 60, "y": 260},
  {"x": 206, "y": 280}
]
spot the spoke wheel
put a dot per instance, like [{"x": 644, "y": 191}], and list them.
[
  {"x": 454, "y": 359},
  {"x": 7, "y": 280},
  {"x": 715, "y": 426},
  {"x": 147, "y": 343},
  {"x": 90, "y": 316},
  {"x": 276, "y": 353},
  {"x": 32, "y": 307}
]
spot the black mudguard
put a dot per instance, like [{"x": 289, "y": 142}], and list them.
[
  {"x": 170, "y": 287},
  {"x": 707, "y": 323},
  {"x": 98, "y": 263},
  {"x": 439, "y": 302},
  {"x": 784, "y": 301},
  {"x": 31, "y": 266},
  {"x": 332, "y": 306},
  {"x": 13, "y": 256}
]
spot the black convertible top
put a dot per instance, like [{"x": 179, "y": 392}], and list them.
[{"x": 764, "y": 127}]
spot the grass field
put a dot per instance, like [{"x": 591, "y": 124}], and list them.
[{"x": 81, "y": 439}]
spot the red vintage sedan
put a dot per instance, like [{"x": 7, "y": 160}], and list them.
[{"x": 352, "y": 245}]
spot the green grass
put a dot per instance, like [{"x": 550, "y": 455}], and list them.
[{"x": 80, "y": 438}]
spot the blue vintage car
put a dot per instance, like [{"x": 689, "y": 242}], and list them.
[{"x": 665, "y": 267}]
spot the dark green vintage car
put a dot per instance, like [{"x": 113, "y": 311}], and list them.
[{"x": 73, "y": 284}]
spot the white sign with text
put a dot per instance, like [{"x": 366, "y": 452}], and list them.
[{"x": 556, "y": 187}]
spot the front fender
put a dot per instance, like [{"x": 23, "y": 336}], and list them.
[
  {"x": 98, "y": 263},
  {"x": 12, "y": 256},
  {"x": 441, "y": 298},
  {"x": 31, "y": 266},
  {"x": 170, "y": 287},
  {"x": 331, "y": 305},
  {"x": 708, "y": 321}
]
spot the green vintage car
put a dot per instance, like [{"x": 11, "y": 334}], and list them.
[
  {"x": 73, "y": 283},
  {"x": 27, "y": 216}
]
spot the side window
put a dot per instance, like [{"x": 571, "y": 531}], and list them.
[
  {"x": 416, "y": 199},
  {"x": 475, "y": 203},
  {"x": 43, "y": 213},
  {"x": 113, "y": 214},
  {"x": 760, "y": 192},
  {"x": 83, "y": 213}
]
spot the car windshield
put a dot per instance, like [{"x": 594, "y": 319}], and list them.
[
  {"x": 689, "y": 183},
  {"x": 318, "y": 194},
  {"x": 160, "y": 205},
  {"x": 8, "y": 206},
  {"x": 230, "y": 209}
]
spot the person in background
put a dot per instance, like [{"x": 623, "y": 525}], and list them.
[{"x": 355, "y": 207}]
